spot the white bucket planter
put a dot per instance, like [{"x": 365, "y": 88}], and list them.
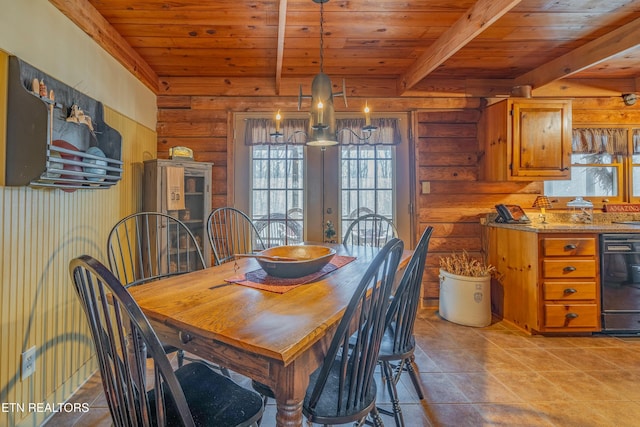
[{"x": 465, "y": 300}]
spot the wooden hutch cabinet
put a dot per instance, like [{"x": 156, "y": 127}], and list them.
[
  {"x": 549, "y": 281},
  {"x": 526, "y": 139},
  {"x": 194, "y": 188}
]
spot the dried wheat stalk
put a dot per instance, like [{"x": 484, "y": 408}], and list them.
[{"x": 464, "y": 265}]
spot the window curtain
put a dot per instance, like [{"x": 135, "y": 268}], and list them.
[
  {"x": 350, "y": 132},
  {"x": 258, "y": 132},
  {"x": 601, "y": 140},
  {"x": 636, "y": 141}
]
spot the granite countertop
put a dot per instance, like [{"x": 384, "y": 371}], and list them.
[{"x": 560, "y": 223}]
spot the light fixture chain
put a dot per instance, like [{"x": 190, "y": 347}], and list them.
[{"x": 321, "y": 37}]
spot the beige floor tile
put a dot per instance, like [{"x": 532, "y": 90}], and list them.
[
  {"x": 530, "y": 386},
  {"x": 580, "y": 386},
  {"x": 483, "y": 388},
  {"x": 97, "y": 417},
  {"x": 576, "y": 414},
  {"x": 539, "y": 359},
  {"x": 587, "y": 358},
  {"x": 509, "y": 339},
  {"x": 452, "y": 415},
  {"x": 424, "y": 362},
  {"x": 454, "y": 361},
  {"x": 553, "y": 342},
  {"x": 627, "y": 359},
  {"x": 496, "y": 359},
  {"x": 438, "y": 388},
  {"x": 626, "y": 384},
  {"x": 512, "y": 414}
]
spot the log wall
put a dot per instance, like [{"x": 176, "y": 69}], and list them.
[{"x": 446, "y": 156}]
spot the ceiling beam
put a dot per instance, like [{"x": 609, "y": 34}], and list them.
[
  {"x": 479, "y": 17},
  {"x": 282, "y": 24},
  {"x": 586, "y": 56},
  {"x": 85, "y": 16}
]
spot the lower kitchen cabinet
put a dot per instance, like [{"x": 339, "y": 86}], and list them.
[{"x": 548, "y": 282}]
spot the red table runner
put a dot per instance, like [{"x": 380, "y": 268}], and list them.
[{"x": 259, "y": 279}]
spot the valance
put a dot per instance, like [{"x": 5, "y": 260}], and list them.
[
  {"x": 600, "y": 140},
  {"x": 258, "y": 132}
]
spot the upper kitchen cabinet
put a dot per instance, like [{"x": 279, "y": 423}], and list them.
[
  {"x": 56, "y": 136},
  {"x": 526, "y": 139}
]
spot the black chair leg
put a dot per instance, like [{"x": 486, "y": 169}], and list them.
[
  {"x": 180, "y": 358},
  {"x": 377, "y": 419},
  {"x": 393, "y": 394},
  {"x": 412, "y": 368}
]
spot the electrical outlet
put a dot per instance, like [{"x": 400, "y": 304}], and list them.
[{"x": 28, "y": 363}]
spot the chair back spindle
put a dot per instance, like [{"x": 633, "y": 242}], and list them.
[
  {"x": 370, "y": 230},
  {"x": 231, "y": 232}
]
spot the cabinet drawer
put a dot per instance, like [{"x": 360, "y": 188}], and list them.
[
  {"x": 569, "y": 290},
  {"x": 571, "y": 315},
  {"x": 563, "y": 246},
  {"x": 569, "y": 268}
]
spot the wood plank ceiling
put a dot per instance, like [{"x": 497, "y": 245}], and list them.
[{"x": 381, "y": 47}]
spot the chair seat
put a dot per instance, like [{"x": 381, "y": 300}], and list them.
[
  {"x": 387, "y": 352},
  {"x": 326, "y": 410},
  {"x": 214, "y": 400}
]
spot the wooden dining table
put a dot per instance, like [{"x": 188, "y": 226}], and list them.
[{"x": 278, "y": 339}]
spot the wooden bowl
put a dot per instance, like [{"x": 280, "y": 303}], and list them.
[{"x": 308, "y": 259}]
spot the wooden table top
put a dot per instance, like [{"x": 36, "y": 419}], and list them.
[{"x": 274, "y": 326}]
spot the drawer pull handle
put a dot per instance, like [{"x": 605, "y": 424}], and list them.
[
  {"x": 569, "y": 269},
  {"x": 570, "y": 246},
  {"x": 184, "y": 337},
  {"x": 571, "y": 315},
  {"x": 570, "y": 291}
]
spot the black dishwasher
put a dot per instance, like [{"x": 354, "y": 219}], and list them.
[{"x": 620, "y": 278}]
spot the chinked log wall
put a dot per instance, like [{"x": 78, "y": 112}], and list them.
[{"x": 446, "y": 153}]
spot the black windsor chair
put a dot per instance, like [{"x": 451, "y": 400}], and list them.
[
  {"x": 148, "y": 246},
  {"x": 398, "y": 342},
  {"x": 193, "y": 395},
  {"x": 343, "y": 388}
]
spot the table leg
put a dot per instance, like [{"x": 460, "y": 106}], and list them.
[
  {"x": 289, "y": 413},
  {"x": 290, "y": 387}
]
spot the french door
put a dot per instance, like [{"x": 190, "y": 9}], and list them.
[{"x": 292, "y": 191}]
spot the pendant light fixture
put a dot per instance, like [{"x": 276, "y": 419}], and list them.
[{"x": 322, "y": 119}]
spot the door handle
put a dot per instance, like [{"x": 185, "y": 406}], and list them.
[
  {"x": 570, "y": 291},
  {"x": 570, "y": 246},
  {"x": 571, "y": 315},
  {"x": 569, "y": 269}
]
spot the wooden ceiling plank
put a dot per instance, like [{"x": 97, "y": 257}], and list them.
[
  {"x": 282, "y": 24},
  {"x": 480, "y": 16},
  {"x": 585, "y": 56},
  {"x": 87, "y": 18}
]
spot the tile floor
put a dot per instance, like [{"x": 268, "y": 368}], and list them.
[{"x": 493, "y": 376}]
